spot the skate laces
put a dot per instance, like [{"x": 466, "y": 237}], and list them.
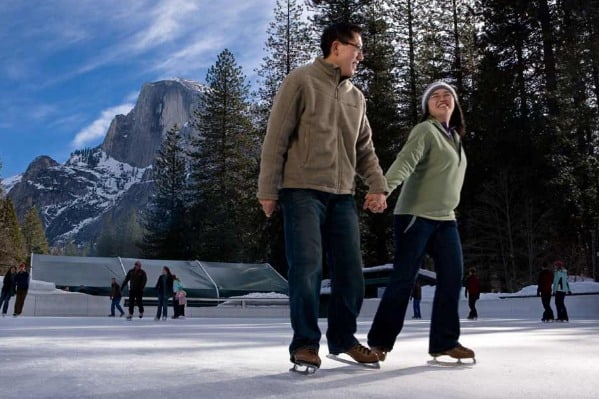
[
  {"x": 362, "y": 349},
  {"x": 362, "y": 354}
]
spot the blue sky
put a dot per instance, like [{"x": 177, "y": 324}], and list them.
[{"x": 69, "y": 66}]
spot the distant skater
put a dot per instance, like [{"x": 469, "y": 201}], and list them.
[
  {"x": 115, "y": 298},
  {"x": 137, "y": 280},
  {"x": 416, "y": 298},
  {"x": 164, "y": 290},
  {"x": 472, "y": 292},
  {"x": 8, "y": 289},
  {"x": 22, "y": 286},
  {"x": 544, "y": 286},
  {"x": 178, "y": 293},
  {"x": 560, "y": 289}
]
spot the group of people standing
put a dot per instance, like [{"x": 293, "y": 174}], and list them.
[
  {"x": 167, "y": 286},
  {"x": 16, "y": 282},
  {"x": 554, "y": 283},
  {"x": 318, "y": 140}
]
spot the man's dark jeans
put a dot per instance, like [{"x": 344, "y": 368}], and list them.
[{"x": 315, "y": 220}]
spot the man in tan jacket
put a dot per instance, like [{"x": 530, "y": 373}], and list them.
[{"x": 318, "y": 139}]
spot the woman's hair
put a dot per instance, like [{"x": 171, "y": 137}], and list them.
[{"x": 168, "y": 271}]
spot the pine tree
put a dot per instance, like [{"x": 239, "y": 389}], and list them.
[
  {"x": 123, "y": 241},
  {"x": 379, "y": 80},
  {"x": 12, "y": 250},
  {"x": 573, "y": 116},
  {"x": 328, "y": 12},
  {"x": 288, "y": 46},
  {"x": 164, "y": 221},
  {"x": 33, "y": 232},
  {"x": 223, "y": 168}
]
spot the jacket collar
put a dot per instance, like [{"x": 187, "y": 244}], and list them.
[{"x": 331, "y": 70}]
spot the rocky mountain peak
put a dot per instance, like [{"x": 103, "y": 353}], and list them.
[
  {"x": 40, "y": 164},
  {"x": 134, "y": 138},
  {"x": 105, "y": 184}
]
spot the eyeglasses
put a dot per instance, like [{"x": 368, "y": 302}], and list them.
[{"x": 358, "y": 47}]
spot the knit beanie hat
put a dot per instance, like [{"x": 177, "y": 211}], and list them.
[{"x": 434, "y": 86}]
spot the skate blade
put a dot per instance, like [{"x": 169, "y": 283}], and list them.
[
  {"x": 375, "y": 365},
  {"x": 448, "y": 361},
  {"x": 303, "y": 368}
]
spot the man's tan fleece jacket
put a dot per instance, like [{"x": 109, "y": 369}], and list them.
[{"x": 318, "y": 136}]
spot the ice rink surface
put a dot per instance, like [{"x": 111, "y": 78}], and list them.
[{"x": 234, "y": 358}]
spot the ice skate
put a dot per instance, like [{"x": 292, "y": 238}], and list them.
[
  {"x": 458, "y": 352},
  {"x": 305, "y": 361},
  {"x": 359, "y": 355}
]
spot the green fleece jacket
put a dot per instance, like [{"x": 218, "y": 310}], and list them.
[
  {"x": 431, "y": 166},
  {"x": 318, "y": 136}
]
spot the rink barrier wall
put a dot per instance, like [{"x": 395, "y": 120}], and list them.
[{"x": 77, "y": 304}]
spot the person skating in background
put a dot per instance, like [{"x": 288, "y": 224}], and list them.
[
  {"x": 164, "y": 290},
  {"x": 430, "y": 167},
  {"x": 8, "y": 288},
  {"x": 416, "y": 298},
  {"x": 115, "y": 298},
  {"x": 137, "y": 279},
  {"x": 561, "y": 287},
  {"x": 472, "y": 292},
  {"x": 22, "y": 286},
  {"x": 178, "y": 292},
  {"x": 182, "y": 301},
  {"x": 317, "y": 142},
  {"x": 544, "y": 288}
]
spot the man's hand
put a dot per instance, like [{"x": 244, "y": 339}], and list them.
[
  {"x": 268, "y": 206},
  {"x": 375, "y": 202}
]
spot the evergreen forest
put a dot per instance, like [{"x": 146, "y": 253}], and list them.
[{"x": 527, "y": 78}]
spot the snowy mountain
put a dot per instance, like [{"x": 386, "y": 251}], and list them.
[{"x": 104, "y": 184}]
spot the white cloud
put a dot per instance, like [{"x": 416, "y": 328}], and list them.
[
  {"x": 97, "y": 129},
  {"x": 168, "y": 21}
]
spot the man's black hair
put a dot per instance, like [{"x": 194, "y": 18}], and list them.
[{"x": 341, "y": 31}]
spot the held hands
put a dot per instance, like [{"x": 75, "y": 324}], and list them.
[{"x": 375, "y": 203}]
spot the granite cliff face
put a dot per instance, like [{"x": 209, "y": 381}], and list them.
[
  {"x": 106, "y": 183},
  {"x": 135, "y": 138}
]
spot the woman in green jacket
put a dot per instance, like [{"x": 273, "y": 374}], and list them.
[{"x": 431, "y": 168}]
